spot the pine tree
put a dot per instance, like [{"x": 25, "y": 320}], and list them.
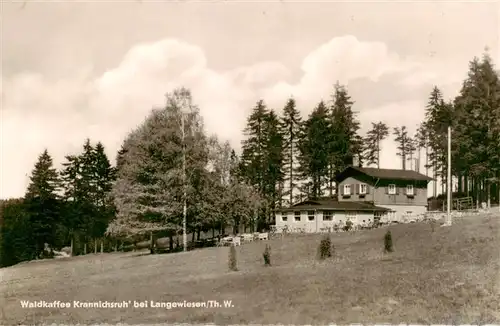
[
  {"x": 422, "y": 142},
  {"x": 291, "y": 122},
  {"x": 377, "y": 134},
  {"x": 404, "y": 144},
  {"x": 412, "y": 147},
  {"x": 42, "y": 202},
  {"x": 314, "y": 148}
]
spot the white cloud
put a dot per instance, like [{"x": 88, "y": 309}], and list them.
[{"x": 58, "y": 115}]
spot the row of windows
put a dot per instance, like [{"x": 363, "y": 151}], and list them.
[
  {"x": 391, "y": 189},
  {"x": 327, "y": 216}
]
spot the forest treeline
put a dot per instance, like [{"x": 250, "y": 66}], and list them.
[{"x": 169, "y": 160}]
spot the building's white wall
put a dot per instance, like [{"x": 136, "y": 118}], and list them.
[
  {"x": 339, "y": 218},
  {"x": 400, "y": 213}
]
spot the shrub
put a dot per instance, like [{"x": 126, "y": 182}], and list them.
[
  {"x": 433, "y": 225},
  {"x": 388, "y": 242},
  {"x": 267, "y": 255},
  {"x": 232, "y": 259},
  {"x": 325, "y": 247},
  {"x": 348, "y": 225}
]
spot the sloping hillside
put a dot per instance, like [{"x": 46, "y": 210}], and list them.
[{"x": 448, "y": 276}]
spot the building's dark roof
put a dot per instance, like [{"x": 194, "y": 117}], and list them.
[
  {"x": 392, "y": 174},
  {"x": 335, "y": 205}
]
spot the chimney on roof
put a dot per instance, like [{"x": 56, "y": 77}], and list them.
[{"x": 355, "y": 161}]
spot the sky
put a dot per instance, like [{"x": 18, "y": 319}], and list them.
[{"x": 76, "y": 70}]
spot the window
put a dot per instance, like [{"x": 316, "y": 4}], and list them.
[
  {"x": 284, "y": 218},
  {"x": 350, "y": 215},
  {"x": 328, "y": 216},
  {"x": 297, "y": 216},
  {"x": 362, "y": 189},
  {"x": 347, "y": 190},
  {"x": 392, "y": 189},
  {"x": 392, "y": 215},
  {"x": 409, "y": 190},
  {"x": 310, "y": 215}
]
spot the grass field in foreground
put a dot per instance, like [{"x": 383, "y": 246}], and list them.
[{"x": 449, "y": 276}]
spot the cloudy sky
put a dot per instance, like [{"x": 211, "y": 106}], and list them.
[{"x": 95, "y": 69}]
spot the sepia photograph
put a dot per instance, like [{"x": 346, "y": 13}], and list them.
[{"x": 249, "y": 162}]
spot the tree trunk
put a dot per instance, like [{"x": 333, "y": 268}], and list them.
[
  {"x": 85, "y": 248},
  {"x": 151, "y": 243},
  {"x": 443, "y": 182},
  {"x": 488, "y": 193},
  {"x": 171, "y": 242},
  {"x": 476, "y": 191},
  {"x": 466, "y": 184},
  {"x": 418, "y": 160},
  {"x": 102, "y": 246},
  {"x": 291, "y": 171},
  {"x": 254, "y": 224},
  {"x": 427, "y": 160},
  {"x": 434, "y": 183},
  {"x": 330, "y": 181},
  {"x": 72, "y": 241},
  {"x": 460, "y": 183},
  {"x": 481, "y": 191},
  {"x": 95, "y": 246},
  {"x": 198, "y": 234},
  {"x": 378, "y": 153},
  {"x": 498, "y": 191}
]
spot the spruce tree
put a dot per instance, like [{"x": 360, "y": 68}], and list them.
[
  {"x": 16, "y": 233},
  {"x": 252, "y": 157},
  {"x": 42, "y": 202},
  {"x": 344, "y": 141},
  {"x": 73, "y": 207},
  {"x": 253, "y": 162},
  {"x": 434, "y": 130},
  {"x": 476, "y": 126},
  {"x": 314, "y": 151},
  {"x": 104, "y": 176},
  {"x": 290, "y": 129},
  {"x": 273, "y": 161}
]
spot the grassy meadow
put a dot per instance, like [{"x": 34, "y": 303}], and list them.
[{"x": 448, "y": 276}]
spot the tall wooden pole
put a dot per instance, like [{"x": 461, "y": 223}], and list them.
[
  {"x": 184, "y": 211},
  {"x": 448, "y": 192}
]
